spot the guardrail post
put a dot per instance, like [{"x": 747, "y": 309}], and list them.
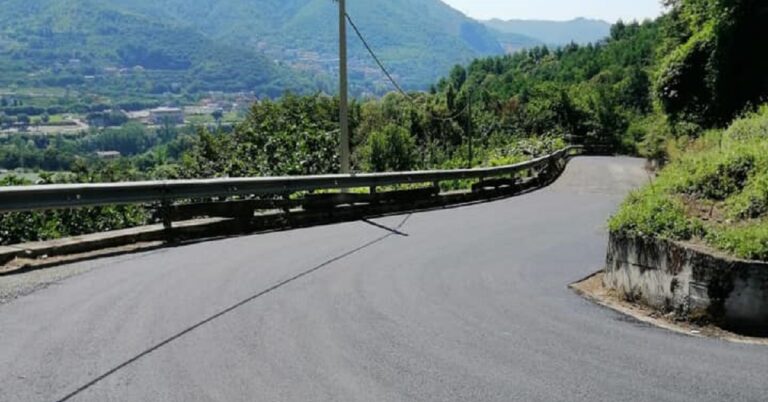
[
  {"x": 166, "y": 214},
  {"x": 286, "y": 196},
  {"x": 550, "y": 171}
]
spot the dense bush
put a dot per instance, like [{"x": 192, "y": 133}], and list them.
[
  {"x": 713, "y": 65},
  {"x": 715, "y": 175},
  {"x": 650, "y": 212},
  {"x": 748, "y": 240},
  {"x": 292, "y": 136},
  {"x": 716, "y": 192},
  {"x": 21, "y": 227},
  {"x": 391, "y": 149}
]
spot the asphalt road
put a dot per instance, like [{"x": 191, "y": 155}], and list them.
[{"x": 461, "y": 304}]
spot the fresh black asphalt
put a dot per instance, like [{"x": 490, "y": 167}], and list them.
[{"x": 459, "y": 304}]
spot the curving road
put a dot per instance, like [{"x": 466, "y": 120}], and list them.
[{"x": 462, "y": 304}]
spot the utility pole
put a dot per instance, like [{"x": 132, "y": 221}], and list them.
[
  {"x": 469, "y": 129},
  {"x": 343, "y": 89}
]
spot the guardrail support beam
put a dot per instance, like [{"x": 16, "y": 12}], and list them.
[
  {"x": 67, "y": 196},
  {"x": 166, "y": 214}
]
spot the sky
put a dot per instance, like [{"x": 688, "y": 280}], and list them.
[{"x": 608, "y": 10}]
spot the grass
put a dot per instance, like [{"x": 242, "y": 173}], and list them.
[
  {"x": 650, "y": 212},
  {"x": 715, "y": 191},
  {"x": 203, "y": 119},
  {"x": 748, "y": 240}
]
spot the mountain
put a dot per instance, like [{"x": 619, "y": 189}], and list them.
[
  {"x": 92, "y": 45},
  {"x": 137, "y": 48},
  {"x": 513, "y": 42},
  {"x": 191, "y": 46},
  {"x": 580, "y": 30},
  {"x": 418, "y": 39}
]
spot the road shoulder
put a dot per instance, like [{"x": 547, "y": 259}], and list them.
[{"x": 592, "y": 289}]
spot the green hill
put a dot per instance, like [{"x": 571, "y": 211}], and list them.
[
  {"x": 419, "y": 39},
  {"x": 186, "y": 47},
  {"x": 88, "y": 44},
  {"x": 189, "y": 46}
]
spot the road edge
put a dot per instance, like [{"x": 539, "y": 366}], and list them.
[{"x": 591, "y": 288}]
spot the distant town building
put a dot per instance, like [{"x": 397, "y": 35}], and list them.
[
  {"x": 108, "y": 155},
  {"x": 166, "y": 115}
]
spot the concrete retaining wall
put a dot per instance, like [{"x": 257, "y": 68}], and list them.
[{"x": 692, "y": 282}]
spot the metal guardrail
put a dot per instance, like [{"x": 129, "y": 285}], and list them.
[{"x": 48, "y": 197}]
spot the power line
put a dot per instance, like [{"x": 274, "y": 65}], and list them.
[
  {"x": 375, "y": 57},
  {"x": 392, "y": 79}
]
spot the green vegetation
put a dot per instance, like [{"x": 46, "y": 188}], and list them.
[
  {"x": 600, "y": 94},
  {"x": 299, "y": 135},
  {"x": 32, "y": 226},
  {"x": 715, "y": 189},
  {"x": 144, "y": 150},
  {"x": 161, "y": 50},
  {"x": 713, "y": 64},
  {"x": 148, "y": 49},
  {"x": 716, "y": 192},
  {"x": 98, "y": 47},
  {"x": 391, "y": 149}
]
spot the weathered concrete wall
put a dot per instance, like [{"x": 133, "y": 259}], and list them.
[{"x": 690, "y": 281}]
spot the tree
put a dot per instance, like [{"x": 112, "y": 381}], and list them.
[
  {"x": 715, "y": 64},
  {"x": 23, "y": 119},
  {"x": 292, "y": 136},
  {"x": 218, "y": 114},
  {"x": 391, "y": 149},
  {"x": 458, "y": 76}
]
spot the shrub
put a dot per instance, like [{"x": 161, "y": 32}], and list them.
[
  {"x": 20, "y": 227},
  {"x": 752, "y": 126},
  {"x": 391, "y": 149},
  {"x": 752, "y": 202},
  {"x": 748, "y": 241},
  {"x": 725, "y": 169},
  {"x": 651, "y": 213},
  {"x": 715, "y": 176}
]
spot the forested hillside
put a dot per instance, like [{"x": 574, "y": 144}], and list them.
[
  {"x": 153, "y": 47},
  {"x": 87, "y": 44},
  {"x": 170, "y": 46},
  {"x": 419, "y": 39}
]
